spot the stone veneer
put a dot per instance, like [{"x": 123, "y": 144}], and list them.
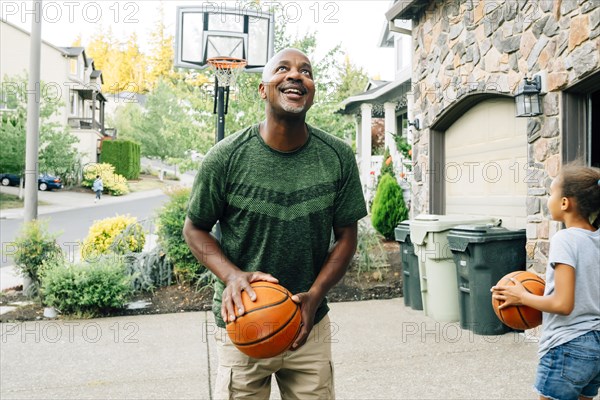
[{"x": 460, "y": 47}]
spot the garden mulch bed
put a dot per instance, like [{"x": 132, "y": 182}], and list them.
[{"x": 383, "y": 284}]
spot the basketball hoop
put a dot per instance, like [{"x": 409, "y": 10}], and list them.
[{"x": 227, "y": 69}]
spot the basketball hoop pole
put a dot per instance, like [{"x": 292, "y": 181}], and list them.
[
  {"x": 220, "y": 93},
  {"x": 226, "y": 69}
]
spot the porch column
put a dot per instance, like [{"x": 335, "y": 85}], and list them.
[
  {"x": 94, "y": 109},
  {"x": 102, "y": 104},
  {"x": 365, "y": 152},
  {"x": 391, "y": 130},
  {"x": 358, "y": 129}
]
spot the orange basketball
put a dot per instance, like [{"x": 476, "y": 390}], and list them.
[
  {"x": 521, "y": 317},
  {"x": 269, "y": 325}
]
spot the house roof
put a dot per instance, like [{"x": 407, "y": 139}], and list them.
[
  {"x": 404, "y": 9},
  {"x": 73, "y": 51},
  {"x": 59, "y": 49},
  {"x": 88, "y": 94},
  {"x": 76, "y": 52},
  {"x": 95, "y": 74},
  {"x": 383, "y": 93},
  {"x": 386, "y": 39}
]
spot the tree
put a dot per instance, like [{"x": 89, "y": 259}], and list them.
[
  {"x": 132, "y": 68},
  {"x": 161, "y": 53},
  {"x": 12, "y": 151},
  {"x": 126, "y": 119},
  {"x": 168, "y": 127},
  {"x": 56, "y": 156},
  {"x": 102, "y": 49},
  {"x": 123, "y": 65}
]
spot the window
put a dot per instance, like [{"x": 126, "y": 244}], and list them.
[
  {"x": 594, "y": 136},
  {"x": 581, "y": 124},
  {"x": 73, "y": 66}
]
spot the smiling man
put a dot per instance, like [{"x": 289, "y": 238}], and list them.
[{"x": 279, "y": 189}]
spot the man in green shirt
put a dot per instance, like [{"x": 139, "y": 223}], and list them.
[{"x": 279, "y": 188}]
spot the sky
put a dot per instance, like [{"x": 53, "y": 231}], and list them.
[{"x": 357, "y": 25}]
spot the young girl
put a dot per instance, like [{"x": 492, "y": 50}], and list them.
[{"x": 569, "y": 348}]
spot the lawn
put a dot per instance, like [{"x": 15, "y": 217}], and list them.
[
  {"x": 13, "y": 201},
  {"x": 146, "y": 182}
]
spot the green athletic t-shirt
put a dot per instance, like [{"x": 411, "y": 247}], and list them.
[{"x": 276, "y": 209}]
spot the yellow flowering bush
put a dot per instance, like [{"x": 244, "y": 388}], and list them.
[
  {"x": 114, "y": 184},
  {"x": 120, "y": 234}
]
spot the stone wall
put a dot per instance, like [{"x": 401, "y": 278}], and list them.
[{"x": 461, "y": 47}]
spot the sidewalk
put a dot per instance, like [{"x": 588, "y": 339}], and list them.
[{"x": 382, "y": 350}]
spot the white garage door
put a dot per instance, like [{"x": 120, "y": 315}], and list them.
[{"x": 486, "y": 161}]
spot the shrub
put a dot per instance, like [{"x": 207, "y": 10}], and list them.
[
  {"x": 148, "y": 270},
  {"x": 88, "y": 288},
  {"x": 34, "y": 245},
  {"x": 370, "y": 254},
  {"x": 124, "y": 155},
  {"x": 170, "y": 236},
  {"x": 406, "y": 149},
  {"x": 120, "y": 234},
  {"x": 388, "y": 206},
  {"x": 387, "y": 167},
  {"x": 114, "y": 184}
]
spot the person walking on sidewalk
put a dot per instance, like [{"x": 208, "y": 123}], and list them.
[
  {"x": 279, "y": 189},
  {"x": 98, "y": 187},
  {"x": 569, "y": 347}
]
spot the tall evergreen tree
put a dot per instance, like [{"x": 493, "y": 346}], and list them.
[{"x": 161, "y": 52}]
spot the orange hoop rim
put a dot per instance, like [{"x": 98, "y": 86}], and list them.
[{"x": 226, "y": 62}]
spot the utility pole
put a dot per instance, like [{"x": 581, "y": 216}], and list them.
[{"x": 33, "y": 116}]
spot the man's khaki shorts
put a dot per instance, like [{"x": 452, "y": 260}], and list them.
[{"x": 306, "y": 373}]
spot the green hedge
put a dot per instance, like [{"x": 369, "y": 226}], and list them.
[{"x": 124, "y": 155}]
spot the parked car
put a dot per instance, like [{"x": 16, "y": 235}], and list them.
[
  {"x": 10, "y": 179},
  {"x": 45, "y": 181}
]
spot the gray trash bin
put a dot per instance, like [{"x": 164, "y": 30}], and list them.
[
  {"x": 411, "y": 284},
  {"x": 483, "y": 255},
  {"x": 437, "y": 271}
]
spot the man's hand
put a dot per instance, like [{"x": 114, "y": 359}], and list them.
[
  {"x": 232, "y": 295},
  {"x": 308, "y": 308}
]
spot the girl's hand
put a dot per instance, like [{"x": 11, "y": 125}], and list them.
[{"x": 511, "y": 295}]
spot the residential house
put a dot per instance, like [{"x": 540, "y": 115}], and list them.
[
  {"x": 68, "y": 76},
  {"x": 473, "y": 154}
]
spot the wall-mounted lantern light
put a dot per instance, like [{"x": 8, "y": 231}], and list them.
[
  {"x": 527, "y": 99},
  {"x": 414, "y": 123}
]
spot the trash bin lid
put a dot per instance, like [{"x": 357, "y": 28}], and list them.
[
  {"x": 460, "y": 236},
  {"x": 425, "y": 223},
  {"x": 402, "y": 231}
]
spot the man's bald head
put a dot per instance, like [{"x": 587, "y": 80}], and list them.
[{"x": 268, "y": 70}]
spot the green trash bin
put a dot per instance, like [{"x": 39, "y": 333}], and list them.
[
  {"x": 437, "y": 271},
  {"x": 411, "y": 284},
  {"x": 483, "y": 255}
]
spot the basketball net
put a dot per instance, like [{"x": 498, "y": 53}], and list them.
[{"x": 226, "y": 69}]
